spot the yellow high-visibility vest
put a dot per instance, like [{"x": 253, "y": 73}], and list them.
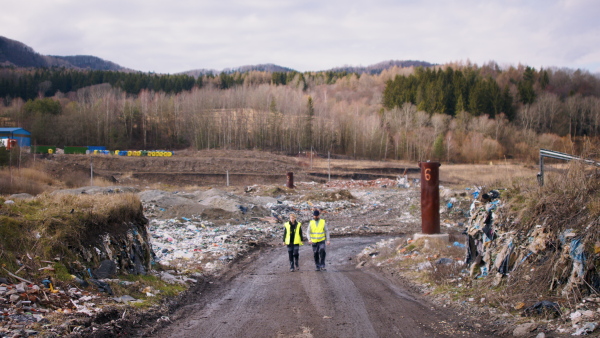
[
  {"x": 297, "y": 235},
  {"x": 317, "y": 231}
]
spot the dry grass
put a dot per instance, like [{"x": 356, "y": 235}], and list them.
[
  {"x": 329, "y": 196},
  {"x": 25, "y": 180},
  {"x": 15, "y": 185},
  {"x": 35, "y": 174},
  {"x": 77, "y": 179},
  {"x": 102, "y": 182},
  {"x": 323, "y": 163},
  {"x": 35, "y": 180},
  {"x": 492, "y": 174},
  {"x": 53, "y": 225},
  {"x": 451, "y": 175}
]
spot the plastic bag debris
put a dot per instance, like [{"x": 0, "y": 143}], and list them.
[
  {"x": 586, "y": 329},
  {"x": 107, "y": 269},
  {"x": 546, "y": 308},
  {"x": 124, "y": 299}
]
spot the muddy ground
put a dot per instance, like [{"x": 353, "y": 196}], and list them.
[{"x": 267, "y": 300}]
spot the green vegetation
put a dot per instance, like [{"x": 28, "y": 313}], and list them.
[
  {"x": 142, "y": 285},
  {"x": 448, "y": 91},
  {"x": 27, "y": 85}
]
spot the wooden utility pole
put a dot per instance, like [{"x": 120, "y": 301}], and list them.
[
  {"x": 328, "y": 166},
  {"x": 91, "y": 171}
]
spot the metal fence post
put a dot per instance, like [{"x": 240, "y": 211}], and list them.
[{"x": 430, "y": 198}]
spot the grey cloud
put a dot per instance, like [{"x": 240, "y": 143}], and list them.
[{"x": 179, "y": 35}]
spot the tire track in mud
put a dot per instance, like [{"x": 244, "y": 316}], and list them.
[{"x": 267, "y": 300}]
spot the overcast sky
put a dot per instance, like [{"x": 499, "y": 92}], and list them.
[{"x": 180, "y": 35}]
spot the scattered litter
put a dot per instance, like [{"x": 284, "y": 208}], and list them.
[
  {"x": 124, "y": 299},
  {"x": 586, "y": 329},
  {"x": 546, "y": 308},
  {"x": 107, "y": 269},
  {"x": 444, "y": 261}
]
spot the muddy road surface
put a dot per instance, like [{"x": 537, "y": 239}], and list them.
[{"x": 267, "y": 300}]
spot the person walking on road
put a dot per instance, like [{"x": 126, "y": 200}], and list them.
[
  {"x": 293, "y": 238},
  {"x": 318, "y": 236}
]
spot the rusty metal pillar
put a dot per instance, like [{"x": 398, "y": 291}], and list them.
[
  {"x": 430, "y": 197},
  {"x": 290, "y": 180}
]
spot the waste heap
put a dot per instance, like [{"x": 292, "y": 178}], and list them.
[
  {"x": 59, "y": 251},
  {"x": 190, "y": 245},
  {"x": 500, "y": 246},
  {"x": 549, "y": 251},
  {"x": 204, "y": 230}
]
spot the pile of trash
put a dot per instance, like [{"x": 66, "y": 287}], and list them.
[
  {"x": 497, "y": 245},
  {"x": 556, "y": 259},
  {"x": 480, "y": 233},
  {"x": 192, "y": 244},
  {"x": 28, "y": 308},
  {"x": 213, "y": 204},
  {"x": 53, "y": 273},
  {"x": 210, "y": 228},
  {"x": 399, "y": 182},
  {"x": 197, "y": 243},
  {"x": 455, "y": 208},
  {"x": 26, "y": 305}
]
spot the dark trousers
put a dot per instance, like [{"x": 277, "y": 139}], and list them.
[
  {"x": 293, "y": 252},
  {"x": 319, "y": 252}
]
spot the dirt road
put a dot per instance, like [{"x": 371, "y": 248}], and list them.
[{"x": 267, "y": 300}]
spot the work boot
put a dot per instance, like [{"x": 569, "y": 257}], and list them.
[{"x": 292, "y": 270}]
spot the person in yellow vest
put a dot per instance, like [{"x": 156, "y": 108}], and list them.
[
  {"x": 318, "y": 235},
  {"x": 293, "y": 238}
]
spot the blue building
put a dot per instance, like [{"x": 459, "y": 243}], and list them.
[{"x": 22, "y": 136}]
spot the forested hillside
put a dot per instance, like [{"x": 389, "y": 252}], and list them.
[
  {"x": 29, "y": 84},
  {"x": 16, "y": 54},
  {"x": 454, "y": 112}
]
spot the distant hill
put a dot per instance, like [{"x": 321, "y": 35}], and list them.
[
  {"x": 198, "y": 72},
  {"x": 90, "y": 62},
  {"x": 381, "y": 66},
  {"x": 267, "y": 67},
  {"x": 16, "y": 54}
]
